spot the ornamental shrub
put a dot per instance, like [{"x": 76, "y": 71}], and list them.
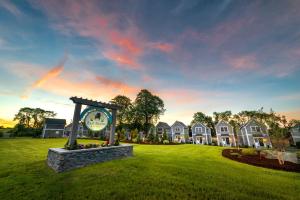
[
  {"x": 249, "y": 152},
  {"x": 166, "y": 142},
  {"x": 117, "y": 143},
  {"x": 72, "y": 147},
  {"x": 134, "y": 140}
]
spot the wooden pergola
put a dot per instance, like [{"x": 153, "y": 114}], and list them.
[{"x": 76, "y": 117}]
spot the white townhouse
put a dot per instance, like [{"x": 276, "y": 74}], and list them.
[
  {"x": 201, "y": 134},
  {"x": 254, "y": 134},
  {"x": 179, "y": 132},
  {"x": 225, "y": 134}
]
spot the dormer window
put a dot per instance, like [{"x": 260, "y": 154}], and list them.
[
  {"x": 198, "y": 129},
  {"x": 177, "y": 129},
  {"x": 224, "y": 129},
  {"x": 255, "y": 129},
  {"x": 159, "y": 129}
]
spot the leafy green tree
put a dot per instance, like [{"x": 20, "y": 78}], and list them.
[
  {"x": 218, "y": 116},
  {"x": 32, "y": 117},
  {"x": 148, "y": 107},
  {"x": 124, "y": 112}
]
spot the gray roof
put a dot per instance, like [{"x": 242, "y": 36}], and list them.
[
  {"x": 199, "y": 123},
  {"x": 163, "y": 124},
  {"x": 297, "y": 125},
  {"x": 179, "y": 123},
  {"x": 254, "y": 121},
  {"x": 223, "y": 121},
  {"x": 55, "y": 121}
]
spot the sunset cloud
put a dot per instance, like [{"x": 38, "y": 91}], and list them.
[
  {"x": 124, "y": 46},
  {"x": 125, "y": 61},
  {"x": 164, "y": 47},
  {"x": 245, "y": 62},
  {"x": 52, "y": 73}
]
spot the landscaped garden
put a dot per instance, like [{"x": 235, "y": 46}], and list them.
[{"x": 155, "y": 172}]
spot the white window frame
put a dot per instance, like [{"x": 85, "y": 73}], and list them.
[
  {"x": 197, "y": 129},
  {"x": 223, "y": 128},
  {"x": 177, "y": 129},
  {"x": 257, "y": 129}
]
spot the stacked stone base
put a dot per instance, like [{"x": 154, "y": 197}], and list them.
[{"x": 61, "y": 160}]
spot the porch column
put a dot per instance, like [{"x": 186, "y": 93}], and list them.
[
  {"x": 76, "y": 118},
  {"x": 113, "y": 127}
]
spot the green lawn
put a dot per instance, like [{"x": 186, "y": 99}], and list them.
[{"x": 155, "y": 172}]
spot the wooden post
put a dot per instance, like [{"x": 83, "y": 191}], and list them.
[
  {"x": 76, "y": 118},
  {"x": 113, "y": 127}
]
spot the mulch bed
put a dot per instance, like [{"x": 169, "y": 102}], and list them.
[{"x": 260, "y": 162}]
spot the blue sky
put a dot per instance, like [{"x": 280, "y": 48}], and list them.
[{"x": 196, "y": 55}]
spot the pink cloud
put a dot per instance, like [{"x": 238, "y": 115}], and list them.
[
  {"x": 147, "y": 78},
  {"x": 126, "y": 61},
  {"x": 164, "y": 47},
  {"x": 244, "y": 62},
  {"x": 52, "y": 73},
  {"x": 124, "y": 46}
]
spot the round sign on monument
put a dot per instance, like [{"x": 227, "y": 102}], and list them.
[{"x": 96, "y": 120}]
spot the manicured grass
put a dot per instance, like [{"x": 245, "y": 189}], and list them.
[{"x": 155, "y": 172}]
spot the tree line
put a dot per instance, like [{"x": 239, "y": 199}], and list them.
[
  {"x": 146, "y": 109},
  {"x": 30, "y": 121}
]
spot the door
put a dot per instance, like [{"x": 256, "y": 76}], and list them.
[
  {"x": 227, "y": 141},
  {"x": 198, "y": 140},
  {"x": 223, "y": 141},
  {"x": 256, "y": 142}
]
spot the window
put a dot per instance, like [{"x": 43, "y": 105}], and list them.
[
  {"x": 255, "y": 129},
  {"x": 198, "y": 129},
  {"x": 224, "y": 129},
  {"x": 177, "y": 129},
  {"x": 159, "y": 129}
]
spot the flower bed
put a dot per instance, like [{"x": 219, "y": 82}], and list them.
[{"x": 260, "y": 161}]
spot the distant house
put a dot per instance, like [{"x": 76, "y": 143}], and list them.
[
  {"x": 225, "y": 134},
  {"x": 179, "y": 132},
  {"x": 295, "y": 133},
  {"x": 201, "y": 134},
  {"x": 82, "y": 131},
  {"x": 53, "y": 128},
  {"x": 254, "y": 134},
  {"x": 162, "y": 127}
]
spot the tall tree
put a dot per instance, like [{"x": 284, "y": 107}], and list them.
[
  {"x": 24, "y": 116},
  {"x": 149, "y": 107},
  {"x": 123, "y": 113},
  {"x": 218, "y": 116},
  {"x": 32, "y": 117}
]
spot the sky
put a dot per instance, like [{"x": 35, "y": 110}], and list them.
[{"x": 196, "y": 55}]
